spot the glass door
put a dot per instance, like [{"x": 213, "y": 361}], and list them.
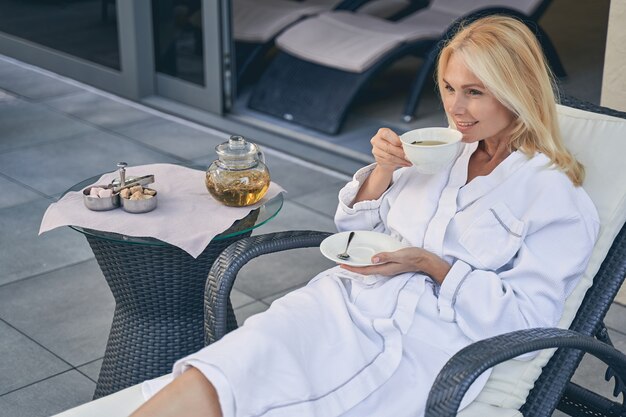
[
  {"x": 77, "y": 39},
  {"x": 140, "y": 49},
  {"x": 87, "y": 30},
  {"x": 191, "y": 60}
]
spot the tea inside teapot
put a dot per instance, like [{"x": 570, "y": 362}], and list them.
[{"x": 238, "y": 177}]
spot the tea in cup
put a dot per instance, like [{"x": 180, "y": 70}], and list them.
[{"x": 431, "y": 149}]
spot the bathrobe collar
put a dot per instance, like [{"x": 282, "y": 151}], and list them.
[
  {"x": 481, "y": 185},
  {"x": 457, "y": 195}
]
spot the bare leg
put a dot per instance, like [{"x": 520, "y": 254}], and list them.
[{"x": 189, "y": 395}]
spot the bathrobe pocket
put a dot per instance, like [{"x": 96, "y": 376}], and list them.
[{"x": 494, "y": 237}]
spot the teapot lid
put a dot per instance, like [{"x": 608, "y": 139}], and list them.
[{"x": 237, "y": 149}]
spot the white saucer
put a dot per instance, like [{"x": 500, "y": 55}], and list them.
[{"x": 365, "y": 244}]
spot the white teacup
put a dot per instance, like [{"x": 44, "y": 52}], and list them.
[{"x": 431, "y": 149}]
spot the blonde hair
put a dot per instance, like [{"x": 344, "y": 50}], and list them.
[{"x": 507, "y": 58}]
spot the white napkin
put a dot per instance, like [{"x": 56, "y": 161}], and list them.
[{"x": 186, "y": 216}]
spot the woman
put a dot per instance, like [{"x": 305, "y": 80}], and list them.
[{"x": 498, "y": 240}]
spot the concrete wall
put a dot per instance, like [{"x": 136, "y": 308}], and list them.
[{"x": 614, "y": 77}]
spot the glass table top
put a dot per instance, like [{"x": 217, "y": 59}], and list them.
[{"x": 254, "y": 219}]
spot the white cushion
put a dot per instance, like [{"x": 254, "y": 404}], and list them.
[
  {"x": 461, "y": 7},
  {"x": 259, "y": 21},
  {"x": 122, "y": 403},
  {"x": 353, "y": 42},
  {"x": 599, "y": 142},
  {"x": 119, "y": 404},
  {"x": 349, "y": 41},
  {"x": 477, "y": 409}
]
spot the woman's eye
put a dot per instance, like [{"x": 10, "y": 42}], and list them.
[
  {"x": 473, "y": 92},
  {"x": 448, "y": 88}
]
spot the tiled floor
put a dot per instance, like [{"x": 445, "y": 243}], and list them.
[{"x": 55, "y": 308}]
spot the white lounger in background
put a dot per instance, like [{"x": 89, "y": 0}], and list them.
[
  {"x": 353, "y": 42},
  {"x": 255, "y": 24},
  {"x": 327, "y": 60},
  {"x": 260, "y": 21}
]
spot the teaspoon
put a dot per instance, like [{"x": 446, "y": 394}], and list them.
[{"x": 345, "y": 255}]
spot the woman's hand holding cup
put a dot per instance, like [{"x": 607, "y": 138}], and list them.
[
  {"x": 389, "y": 155},
  {"x": 387, "y": 150}
]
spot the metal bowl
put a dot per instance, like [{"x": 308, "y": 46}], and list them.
[
  {"x": 140, "y": 206},
  {"x": 100, "y": 204}
]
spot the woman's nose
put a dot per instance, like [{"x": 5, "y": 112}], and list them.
[{"x": 457, "y": 105}]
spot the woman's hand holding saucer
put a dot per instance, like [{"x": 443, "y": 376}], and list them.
[{"x": 405, "y": 260}]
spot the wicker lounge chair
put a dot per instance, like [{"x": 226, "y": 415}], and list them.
[
  {"x": 256, "y": 23},
  {"x": 552, "y": 389},
  {"x": 507, "y": 390},
  {"x": 325, "y": 61}
]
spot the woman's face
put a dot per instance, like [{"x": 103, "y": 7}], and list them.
[{"x": 475, "y": 112}]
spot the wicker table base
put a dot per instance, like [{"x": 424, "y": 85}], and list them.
[{"x": 159, "y": 308}]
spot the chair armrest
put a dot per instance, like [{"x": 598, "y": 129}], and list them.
[
  {"x": 463, "y": 368},
  {"x": 218, "y": 315}
]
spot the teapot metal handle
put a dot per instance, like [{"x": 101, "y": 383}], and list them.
[{"x": 260, "y": 155}]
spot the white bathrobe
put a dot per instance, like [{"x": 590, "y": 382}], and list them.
[{"x": 349, "y": 345}]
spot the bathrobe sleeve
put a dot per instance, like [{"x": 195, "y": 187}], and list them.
[
  {"x": 531, "y": 290},
  {"x": 364, "y": 215}
]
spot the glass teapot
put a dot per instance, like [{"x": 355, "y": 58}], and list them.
[{"x": 239, "y": 177}]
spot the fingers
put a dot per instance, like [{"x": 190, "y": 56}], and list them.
[
  {"x": 363, "y": 270},
  {"x": 387, "y": 148},
  {"x": 387, "y": 141},
  {"x": 382, "y": 265},
  {"x": 389, "y": 257},
  {"x": 408, "y": 259},
  {"x": 387, "y": 269},
  {"x": 380, "y": 258},
  {"x": 390, "y": 136},
  {"x": 390, "y": 156}
]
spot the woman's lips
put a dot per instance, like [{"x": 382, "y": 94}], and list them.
[{"x": 464, "y": 126}]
